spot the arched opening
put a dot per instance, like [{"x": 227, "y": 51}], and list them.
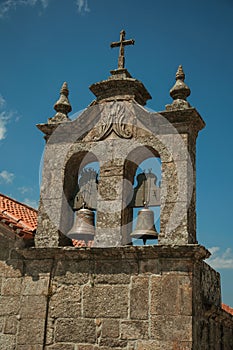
[
  {"x": 80, "y": 188},
  {"x": 150, "y": 171},
  {"x": 144, "y": 199},
  {"x": 73, "y": 169}
]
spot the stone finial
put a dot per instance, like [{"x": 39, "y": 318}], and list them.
[
  {"x": 62, "y": 106},
  {"x": 179, "y": 92}
]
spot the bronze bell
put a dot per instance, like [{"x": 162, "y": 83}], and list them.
[
  {"x": 83, "y": 227},
  {"x": 145, "y": 227}
]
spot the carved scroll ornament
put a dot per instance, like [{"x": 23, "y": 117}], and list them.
[{"x": 114, "y": 119}]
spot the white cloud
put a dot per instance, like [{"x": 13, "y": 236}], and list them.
[
  {"x": 3, "y": 123},
  {"x": 4, "y": 120},
  {"x": 24, "y": 189},
  {"x": 2, "y": 101},
  {"x": 8, "y": 5},
  {"x": 213, "y": 250},
  {"x": 6, "y": 177},
  {"x": 5, "y": 117},
  {"x": 31, "y": 202},
  {"x": 220, "y": 260},
  {"x": 82, "y": 6},
  {"x": 45, "y": 3}
]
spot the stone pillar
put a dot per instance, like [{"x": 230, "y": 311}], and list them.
[
  {"x": 52, "y": 207},
  {"x": 178, "y": 189},
  {"x": 179, "y": 172},
  {"x": 113, "y": 224}
]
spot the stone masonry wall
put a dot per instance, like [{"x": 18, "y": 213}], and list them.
[
  {"x": 131, "y": 298},
  {"x": 212, "y": 325}
]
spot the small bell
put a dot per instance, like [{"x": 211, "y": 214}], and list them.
[
  {"x": 145, "y": 227},
  {"x": 83, "y": 227}
]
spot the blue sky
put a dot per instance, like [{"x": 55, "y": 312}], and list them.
[{"x": 47, "y": 42}]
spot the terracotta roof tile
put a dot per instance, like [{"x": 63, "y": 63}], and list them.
[
  {"x": 20, "y": 214},
  {"x": 80, "y": 244},
  {"x": 227, "y": 309},
  {"x": 18, "y": 217}
]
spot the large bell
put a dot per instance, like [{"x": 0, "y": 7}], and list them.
[
  {"x": 83, "y": 227},
  {"x": 145, "y": 227}
]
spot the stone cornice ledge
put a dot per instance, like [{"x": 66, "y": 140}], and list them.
[
  {"x": 188, "y": 116},
  {"x": 191, "y": 251}
]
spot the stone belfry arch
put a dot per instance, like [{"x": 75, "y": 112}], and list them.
[{"x": 113, "y": 128}]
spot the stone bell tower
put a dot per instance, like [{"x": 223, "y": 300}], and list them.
[
  {"x": 119, "y": 133},
  {"x": 162, "y": 296}
]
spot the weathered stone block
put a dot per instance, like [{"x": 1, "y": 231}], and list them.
[
  {"x": 2, "y": 322},
  {"x": 174, "y": 224},
  {"x": 171, "y": 294},
  {"x": 134, "y": 329},
  {"x": 110, "y": 328},
  {"x": 109, "y": 348},
  {"x": 30, "y": 347},
  {"x": 180, "y": 265},
  {"x": 112, "y": 343},
  {"x": 171, "y": 328},
  {"x": 50, "y": 331},
  {"x": 170, "y": 182},
  {"x": 115, "y": 272},
  {"x": 85, "y": 347},
  {"x": 11, "y": 286},
  {"x": 215, "y": 336},
  {"x": 7, "y": 342},
  {"x": 161, "y": 345},
  {"x": 180, "y": 149},
  {"x": 139, "y": 296},
  {"x": 210, "y": 285},
  {"x": 105, "y": 301},
  {"x": 65, "y": 302},
  {"x": 177, "y": 345},
  {"x": 33, "y": 306},
  {"x": 75, "y": 330},
  {"x": 112, "y": 168},
  {"x": 10, "y": 326},
  {"x": 35, "y": 286},
  {"x": 109, "y": 220},
  {"x": 37, "y": 268},
  {"x": 109, "y": 187},
  {"x": 227, "y": 338},
  {"x": 177, "y": 179},
  {"x": 13, "y": 268},
  {"x": 73, "y": 271},
  {"x": 25, "y": 335},
  {"x": 131, "y": 345},
  {"x": 148, "y": 345},
  {"x": 9, "y": 305},
  {"x": 149, "y": 266},
  {"x": 5, "y": 244},
  {"x": 61, "y": 347}
]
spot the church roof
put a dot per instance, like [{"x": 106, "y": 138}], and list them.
[
  {"x": 227, "y": 309},
  {"x": 17, "y": 216}
]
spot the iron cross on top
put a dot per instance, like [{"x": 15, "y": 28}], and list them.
[{"x": 122, "y": 43}]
